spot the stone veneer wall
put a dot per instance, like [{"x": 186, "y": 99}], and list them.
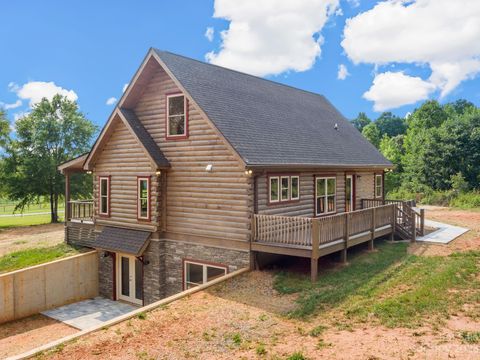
[
  {"x": 176, "y": 251},
  {"x": 105, "y": 275},
  {"x": 154, "y": 272}
]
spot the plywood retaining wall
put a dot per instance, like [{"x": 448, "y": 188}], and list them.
[{"x": 32, "y": 290}]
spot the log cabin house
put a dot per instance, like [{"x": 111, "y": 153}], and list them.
[{"x": 199, "y": 168}]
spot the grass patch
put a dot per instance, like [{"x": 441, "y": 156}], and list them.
[
  {"x": 391, "y": 286},
  {"x": 16, "y": 221},
  {"x": 25, "y": 258},
  {"x": 471, "y": 337}
]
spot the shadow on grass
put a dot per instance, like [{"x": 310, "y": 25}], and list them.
[{"x": 337, "y": 284}]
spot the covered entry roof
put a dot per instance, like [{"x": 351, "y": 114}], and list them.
[{"x": 121, "y": 240}]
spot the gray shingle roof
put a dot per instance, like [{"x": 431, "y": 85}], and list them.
[
  {"x": 270, "y": 123},
  {"x": 148, "y": 143},
  {"x": 126, "y": 241}
]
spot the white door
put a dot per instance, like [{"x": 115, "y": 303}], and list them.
[{"x": 129, "y": 279}]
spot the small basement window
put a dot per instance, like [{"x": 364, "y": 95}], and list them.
[
  {"x": 143, "y": 198},
  {"x": 104, "y": 195},
  {"x": 177, "y": 119},
  {"x": 198, "y": 273},
  {"x": 283, "y": 188},
  {"x": 378, "y": 185}
]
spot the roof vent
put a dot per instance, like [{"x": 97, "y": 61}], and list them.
[{"x": 335, "y": 126}]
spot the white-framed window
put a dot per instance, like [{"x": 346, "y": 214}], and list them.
[
  {"x": 283, "y": 188},
  {"x": 378, "y": 185},
  {"x": 197, "y": 273},
  {"x": 274, "y": 189},
  {"x": 104, "y": 195},
  {"x": 177, "y": 119},
  {"x": 294, "y": 187},
  {"x": 143, "y": 198},
  {"x": 325, "y": 195}
]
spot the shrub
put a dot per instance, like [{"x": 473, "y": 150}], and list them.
[{"x": 297, "y": 356}]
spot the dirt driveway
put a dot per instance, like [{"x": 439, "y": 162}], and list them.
[{"x": 21, "y": 238}]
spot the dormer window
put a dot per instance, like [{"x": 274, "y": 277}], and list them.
[{"x": 177, "y": 117}]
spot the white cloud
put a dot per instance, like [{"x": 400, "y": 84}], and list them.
[
  {"x": 342, "y": 72},
  {"x": 34, "y": 91},
  {"x": 19, "y": 115},
  {"x": 209, "y": 33},
  {"x": 394, "y": 89},
  {"x": 14, "y": 105},
  {"x": 110, "y": 101},
  {"x": 271, "y": 36},
  {"x": 124, "y": 87},
  {"x": 441, "y": 34},
  {"x": 354, "y": 3}
]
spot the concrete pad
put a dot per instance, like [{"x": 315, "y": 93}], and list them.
[
  {"x": 89, "y": 313},
  {"x": 444, "y": 233}
]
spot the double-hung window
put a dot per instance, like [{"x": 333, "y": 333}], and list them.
[
  {"x": 283, "y": 188},
  {"x": 198, "y": 273},
  {"x": 177, "y": 118},
  {"x": 325, "y": 195},
  {"x": 104, "y": 195},
  {"x": 378, "y": 185},
  {"x": 143, "y": 198}
]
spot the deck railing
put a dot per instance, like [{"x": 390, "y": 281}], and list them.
[
  {"x": 305, "y": 232},
  {"x": 80, "y": 210}
]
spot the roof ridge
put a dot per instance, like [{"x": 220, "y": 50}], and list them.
[{"x": 242, "y": 73}]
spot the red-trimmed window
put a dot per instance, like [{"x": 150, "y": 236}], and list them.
[
  {"x": 104, "y": 196},
  {"x": 283, "y": 188},
  {"x": 143, "y": 198},
  {"x": 378, "y": 185},
  {"x": 325, "y": 195},
  {"x": 177, "y": 117}
]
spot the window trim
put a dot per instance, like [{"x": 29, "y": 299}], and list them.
[
  {"x": 375, "y": 186},
  {"x": 167, "y": 115},
  {"x": 326, "y": 177},
  {"x": 107, "y": 178},
  {"x": 288, "y": 188},
  {"x": 203, "y": 263},
  {"x": 139, "y": 217},
  {"x": 281, "y": 176}
]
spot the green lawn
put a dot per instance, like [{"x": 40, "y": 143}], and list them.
[
  {"x": 389, "y": 286},
  {"x": 24, "y": 258},
  {"x": 9, "y": 222},
  {"x": 7, "y": 208}
]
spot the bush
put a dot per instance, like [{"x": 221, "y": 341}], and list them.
[{"x": 466, "y": 200}]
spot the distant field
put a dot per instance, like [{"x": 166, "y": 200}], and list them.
[
  {"x": 8, "y": 207},
  {"x": 14, "y": 221}
]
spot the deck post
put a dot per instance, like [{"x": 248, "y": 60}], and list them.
[
  {"x": 315, "y": 249},
  {"x": 422, "y": 222},
  {"x": 372, "y": 230},
  {"x": 67, "y": 197},
  {"x": 394, "y": 221},
  {"x": 253, "y": 259},
  {"x": 414, "y": 227},
  {"x": 343, "y": 254}
]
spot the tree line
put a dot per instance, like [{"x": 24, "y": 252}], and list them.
[
  {"x": 435, "y": 149},
  {"x": 54, "y": 132}
]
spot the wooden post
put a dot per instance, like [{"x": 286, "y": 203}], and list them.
[
  {"x": 315, "y": 249},
  {"x": 343, "y": 254},
  {"x": 413, "y": 227},
  {"x": 372, "y": 230},
  {"x": 422, "y": 222},
  {"x": 394, "y": 221},
  {"x": 252, "y": 239},
  {"x": 67, "y": 197}
]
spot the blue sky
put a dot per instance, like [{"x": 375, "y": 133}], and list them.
[{"x": 91, "y": 49}]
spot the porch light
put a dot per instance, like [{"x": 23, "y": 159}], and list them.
[
  {"x": 248, "y": 172},
  {"x": 209, "y": 168},
  {"x": 89, "y": 172},
  {"x": 158, "y": 173}
]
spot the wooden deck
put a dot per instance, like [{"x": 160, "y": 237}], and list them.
[{"x": 316, "y": 237}]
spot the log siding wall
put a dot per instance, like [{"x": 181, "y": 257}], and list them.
[
  {"x": 211, "y": 204},
  {"x": 123, "y": 159}
]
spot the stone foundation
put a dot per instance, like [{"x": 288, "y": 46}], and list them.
[{"x": 105, "y": 275}]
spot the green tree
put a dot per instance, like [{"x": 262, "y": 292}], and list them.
[
  {"x": 391, "y": 125},
  {"x": 372, "y": 134},
  {"x": 54, "y": 132},
  {"x": 392, "y": 149},
  {"x": 4, "y": 129},
  {"x": 361, "y": 121}
]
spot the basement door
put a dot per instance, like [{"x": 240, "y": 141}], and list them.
[{"x": 129, "y": 279}]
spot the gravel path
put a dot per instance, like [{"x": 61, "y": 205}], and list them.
[{"x": 22, "y": 238}]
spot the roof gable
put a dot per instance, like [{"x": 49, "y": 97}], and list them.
[{"x": 135, "y": 127}]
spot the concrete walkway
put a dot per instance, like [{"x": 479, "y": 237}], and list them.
[
  {"x": 444, "y": 233},
  {"x": 89, "y": 313}
]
